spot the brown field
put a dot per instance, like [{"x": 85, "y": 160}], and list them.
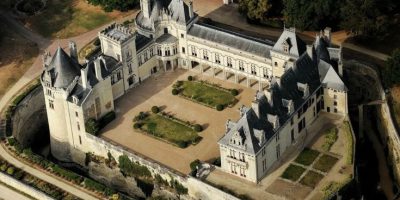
[{"x": 17, "y": 55}]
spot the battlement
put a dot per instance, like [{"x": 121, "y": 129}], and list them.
[{"x": 117, "y": 33}]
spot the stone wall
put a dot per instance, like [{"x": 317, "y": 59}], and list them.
[
  {"x": 29, "y": 122},
  {"x": 8, "y": 180},
  {"x": 197, "y": 189}
]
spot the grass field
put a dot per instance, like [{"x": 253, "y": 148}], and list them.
[
  {"x": 17, "y": 55},
  {"x": 311, "y": 179},
  {"x": 167, "y": 129},
  {"x": 206, "y": 94},
  {"x": 293, "y": 172},
  {"x": 307, "y": 156},
  {"x": 325, "y": 163},
  {"x": 67, "y": 18}
]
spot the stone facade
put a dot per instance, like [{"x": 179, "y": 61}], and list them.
[{"x": 167, "y": 36}]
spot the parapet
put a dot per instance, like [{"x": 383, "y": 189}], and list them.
[{"x": 117, "y": 33}]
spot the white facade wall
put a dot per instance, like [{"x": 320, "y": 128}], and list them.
[{"x": 335, "y": 101}]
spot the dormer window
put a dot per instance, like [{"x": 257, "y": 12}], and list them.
[{"x": 286, "y": 45}]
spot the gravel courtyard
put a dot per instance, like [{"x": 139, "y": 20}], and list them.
[{"x": 157, "y": 91}]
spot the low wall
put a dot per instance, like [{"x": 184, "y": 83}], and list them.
[
  {"x": 8, "y": 180},
  {"x": 204, "y": 191}
]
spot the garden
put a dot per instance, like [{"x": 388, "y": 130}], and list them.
[
  {"x": 168, "y": 128},
  {"x": 319, "y": 164},
  {"x": 205, "y": 93}
]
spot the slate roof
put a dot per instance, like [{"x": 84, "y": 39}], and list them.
[
  {"x": 63, "y": 68},
  {"x": 166, "y": 38},
  {"x": 231, "y": 39},
  {"x": 142, "y": 41},
  {"x": 177, "y": 10},
  {"x": 305, "y": 71},
  {"x": 297, "y": 46},
  {"x": 329, "y": 77}
]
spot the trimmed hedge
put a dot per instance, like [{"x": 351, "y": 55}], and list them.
[
  {"x": 92, "y": 126},
  {"x": 234, "y": 92},
  {"x": 175, "y": 91},
  {"x": 194, "y": 164},
  {"x": 106, "y": 119},
  {"x": 155, "y": 109},
  {"x": 68, "y": 174},
  {"x": 198, "y": 128},
  {"x": 94, "y": 185},
  {"x": 190, "y": 78},
  {"x": 219, "y": 107}
]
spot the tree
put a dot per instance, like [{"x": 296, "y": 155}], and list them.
[
  {"x": 364, "y": 17},
  {"x": 314, "y": 14},
  {"x": 110, "y": 5},
  {"x": 92, "y": 126},
  {"x": 391, "y": 73},
  {"x": 258, "y": 9}
]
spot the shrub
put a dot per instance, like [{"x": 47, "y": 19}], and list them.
[
  {"x": 96, "y": 42},
  {"x": 219, "y": 107},
  {"x": 11, "y": 141},
  {"x": 109, "y": 191},
  {"x": 179, "y": 188},
  {"x": 107, "y": 118},
  {"x": 217, "y": 162},
  {"x": 19, "y": 174},
  {"x": 182, "y": 144},
  {"x": 190, "y": 78},
  {"x": 92, "y": 126},
  {"x": 137, "y": 125},
  {"x": 234, "y": 92},
  {"x": 175, "y": 91},
  {"x": 194, "y": 164},
  {"x": 198, "y": 128},
  {"x": 155, "y": 109},
  {"x": 3, "y": 167},
  {"x": 65, "y": 173},
  {"x": 130, "y": 168},
  {"x": 94, "y": 185},
  {"x": 10, "y": 170}
]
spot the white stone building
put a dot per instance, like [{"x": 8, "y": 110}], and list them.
[{"x": 300, "y": 80}]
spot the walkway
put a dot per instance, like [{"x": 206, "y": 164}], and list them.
[
  {"x": 11, "y": 193},
  {"x": 33, "y": 72}
]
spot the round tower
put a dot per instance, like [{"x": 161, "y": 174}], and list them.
[{"x": 58, "y": 78}]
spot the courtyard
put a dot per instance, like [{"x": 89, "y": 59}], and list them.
[
  {"x": 309, "y": 174},
  {"x": 156, "y": 91}
]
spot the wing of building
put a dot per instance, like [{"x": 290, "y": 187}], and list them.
[{"x": 300, "y": 80}]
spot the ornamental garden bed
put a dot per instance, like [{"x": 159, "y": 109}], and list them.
[
  {"x": 168, "y": 128},
  {"x": 311, "y": 179},
  {"x": 293, "y": 172},
  {"x": 207, "y": 94},
  {"x": 307, "y": 156},
  {"x": 325, "y": 163}
]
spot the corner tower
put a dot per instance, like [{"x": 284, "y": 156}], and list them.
[{"x": 59, "y": 77}]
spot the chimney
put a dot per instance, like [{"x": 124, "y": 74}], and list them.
[
  {"x": 191, "y": 12},
  {"x": 84, "y": 78},
  {"x": 97, "y": 68},
  {"x": 73, "y": 51},
  {"x": 328, "y": 34},
  {"x": 310, "y": 51},
  {"x": 256, "y": 107},
  {"x": 268, "y": 95},
  {"x": 303, "y": 87},
  {"x": 274, "y": 120}
]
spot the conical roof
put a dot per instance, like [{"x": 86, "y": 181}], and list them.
[{"x": 65, "y": 69}]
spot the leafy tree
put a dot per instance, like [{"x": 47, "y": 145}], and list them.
[
  {"x": 92, "y": 126},
  {"x": 365, "y": 17},
  {"x": 314, "y": 14},
  {"x": 260, "y": 9},
  {"x": 110, "y": 5},
  {"x": 391, "y": 73}
]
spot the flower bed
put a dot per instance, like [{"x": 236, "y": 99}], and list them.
[
  {"x": 167, "y": 128},
  {"x": 205, "y": 93}
]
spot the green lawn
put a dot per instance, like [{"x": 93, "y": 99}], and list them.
[
  {"x": 330, "y": 137},
  {"x": 204, "y": 93},
  {"x": 311, "y": 179},
  {"x": 174, "y": 132},
  {"x": 325, "y": 163},
  {"x": 307, "y": 156},
  {"x": 293, "y": 172}
]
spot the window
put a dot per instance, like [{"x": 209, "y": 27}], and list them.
[
  {"x": 165, "y": 30},
  {"x": 301, "y": 125},
  {"x": 205, "y": 54},
  {"x": 80, "y": 140},
  {"x": 194, "y": 53},
  {"x": 48, "y": 92},
  {"x": 217, "y": 58},
  {"x": 167, "y": 51},
  {"x": 335, "y": 96},
  {"x": 253, "y": 69},
  {"x": 263, "y": 152},
  {"x": 241, "y": 65},
  {"x": 232, "y": 153},
  {"x": 151, "y": 52},
  {"x": 264, "y": 164},
  {"x": 291, "y": 121},
  {"x": 265, "y": 72},
  {"x": 159, "y": 52},
  {"x": 51, "y": 104},
  {"x": 335, "y": 103},
  {"x": 335, "y": 110},
  {"x": 229, "y": 62},
  {"x": 276, "y": 64},
  {"x": 78, "y": 126},
  {"x": 118, "y": 57},
  {"x": 119, "y": 75},
  {"x": 292, "y": 135},
  {"x": 145, "y": 56},
  {"x": 277, "y": 137},
  {"x": 183, "y": 50},
  {"x": 112, "y": 79},
  {"x": 76, "y": 114},
  {"x": 130, "y": 68},
  {"x": 140, "y": 61},
  {"x": 182, "y": 35}
]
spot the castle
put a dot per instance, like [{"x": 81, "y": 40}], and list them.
[{"x": 296, "y": 81}]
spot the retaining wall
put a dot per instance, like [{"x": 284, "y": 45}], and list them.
[{"x": 8, "y": 180}]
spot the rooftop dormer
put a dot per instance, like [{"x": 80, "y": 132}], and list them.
[{"x": 304, "y": 88}]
